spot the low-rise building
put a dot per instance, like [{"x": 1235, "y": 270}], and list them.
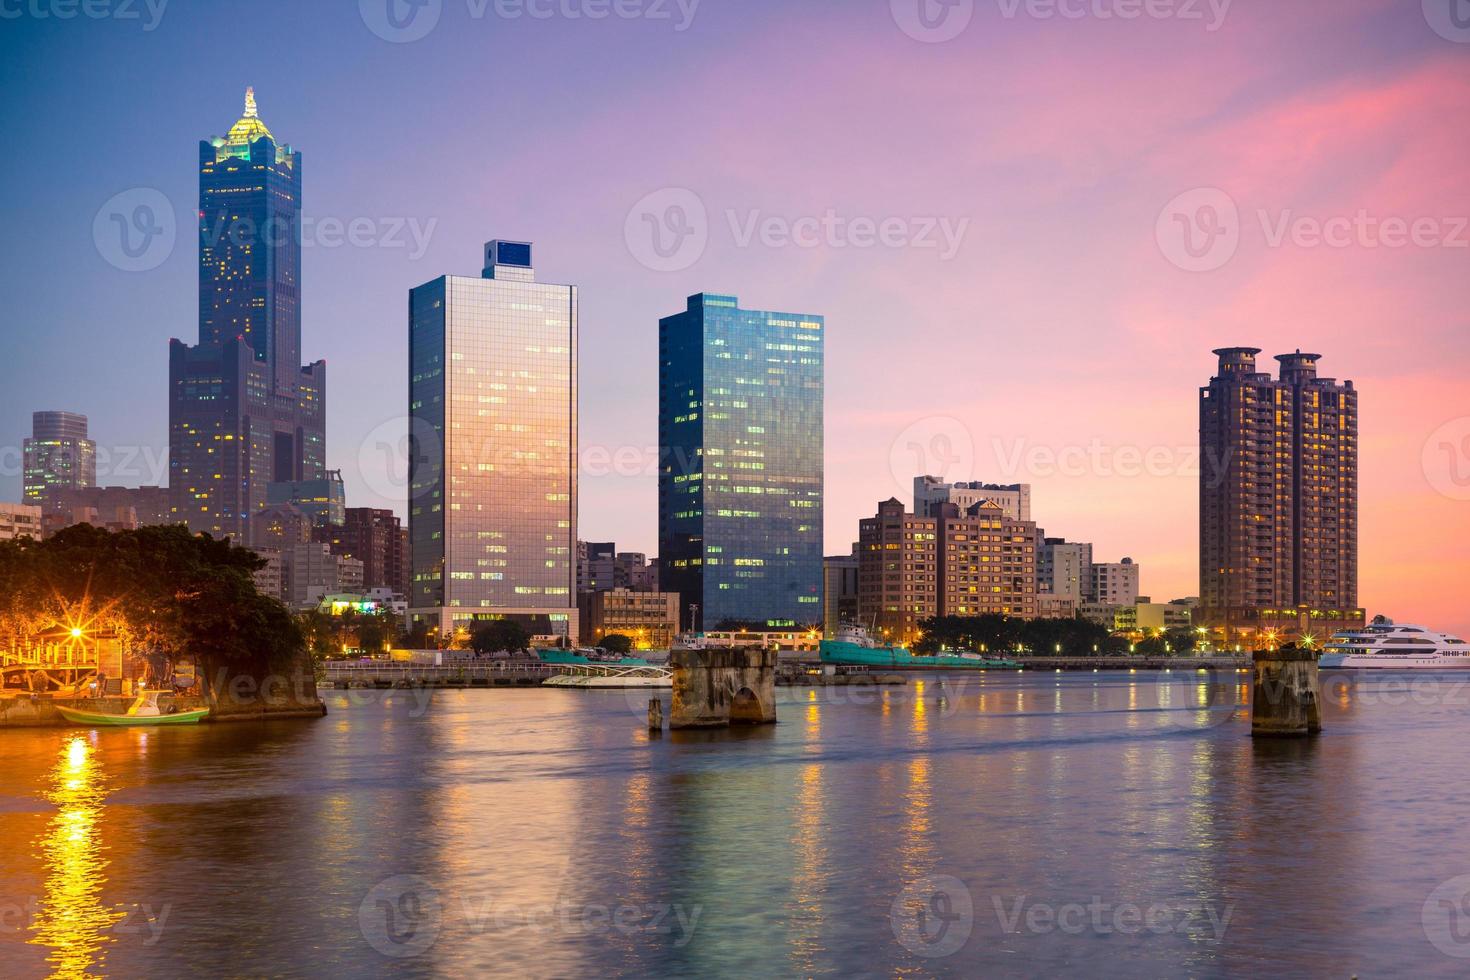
[
  {"x": 649, "y": 619},
  {"x": 19, "y": 521}
]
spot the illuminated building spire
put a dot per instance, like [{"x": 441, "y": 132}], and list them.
[{"x": 250, "y": 111}]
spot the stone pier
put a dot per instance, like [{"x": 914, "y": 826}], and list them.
[
  {"x": 718, "y": 688},
  {"x": 1286, "y": 699}
]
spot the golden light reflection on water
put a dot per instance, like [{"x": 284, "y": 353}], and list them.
[{"x": 71, "y": 921}]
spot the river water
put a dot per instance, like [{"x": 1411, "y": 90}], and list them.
[{"x": 1098, "y": 824}]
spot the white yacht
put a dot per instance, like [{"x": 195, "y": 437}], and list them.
[{"x": 1385, "y": 645}]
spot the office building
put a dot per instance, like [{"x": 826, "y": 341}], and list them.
[
  {"x": 324, "y": 499},
  {"x": 19, "y": 521},
  {"x": 58, "y": 456},
  {"x": 1114, "y": 583},
  {"x": 493, "y": 491},
  {"x": 1064, "y": 569},
  {"x": 243, "y": 411},
  {"x": 1013, "y": 499},
  {"x": 740, "y": 478},
  {"x": 1278, "y": 500},
  {"x": 839, "y": 590},
  {"x": 378, "y": 539},
  {"x": 649, "y": 619}
]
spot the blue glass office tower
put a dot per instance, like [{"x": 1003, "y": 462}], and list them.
[
  {"x": 740, "y": 478},
  {"x": 243, "y": 411}
]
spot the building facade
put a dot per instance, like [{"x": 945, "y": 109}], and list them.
[
  {"x": 987, "y": 561},
  {"x": 1013, "y": 499},
  {"x": 740, "y": 479},
  {"x": 1278, "y": 500},
  {"x": 1064, "y": 569},
  {"x": 19, "y": 521},
  {"x": 58, "y": 456},
  {"x": 649, "y": 619},
  {"x": 493, "y": 409},
  {"x": 840, "y": 590},
  {"x": 898, "y": 571},
  {"x": 1114, "y": 583},
  {"x": 115, "y": 508},
  {"x": 378, "y": 539},
  {"x": 243, "y": 411},
  {"x": 324, "y": 499}
]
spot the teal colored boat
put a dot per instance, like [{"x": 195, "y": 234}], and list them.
[
  {"x": 853, "y": 647},
  {"x": 578, "y": 659}
]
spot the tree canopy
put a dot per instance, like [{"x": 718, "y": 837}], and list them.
[
  {"x": 999, "y": 634},
  {"x": 617, "y": 643},
  {"x": 499, "y": 636}
]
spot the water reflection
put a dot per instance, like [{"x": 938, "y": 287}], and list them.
[{"x": 71, "y": 921}]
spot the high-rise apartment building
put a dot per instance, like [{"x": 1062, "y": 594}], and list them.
[
  {"x": 58, "y": 456},
  {"x": 1064, "y": 569},
  {"x": 898, "y": 571},
  {"x": 243, "y": 411},
  {"x": 740, "y": 481},
  {"x": 1114, "y": 583},
  {"x": 378, "y": 539},
  {"x": 1278, "y": 498},
  {"x": 493, "y": 488},
  {"x": 1014, "y": 499}
]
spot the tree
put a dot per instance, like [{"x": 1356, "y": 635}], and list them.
[
  {"x": 499, "y": 636},
  {"x": 617, "y": 643}
]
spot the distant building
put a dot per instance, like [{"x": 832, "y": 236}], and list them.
[
  {"x": 312, "y": 571},
  {"x": 601, "y": 567},
  {"x": 649, "y": 619},
  {"x": 1278, "y": 499},
  {"x": 324, "y": 499},
  {"x": 1114, "y": 583},
  {"x": 243, "y": 411},
  {"x": 19, "y": 521},
  {"x": 740, "y": 479},
  {"x": 1064, "y": 569},
  {"x": 1176, "y": 615},
  {"x": 271, "y": 580},
  {"x": 493, "y": 401},
  {"x": 280, "y": 526},
  {"x": 1014, "y": 499},
  {"x": 839, "y": 590},
  {"x": 58, "y": 455},
  {"x": 1055, "y": 607},
  {"x": 378, "y": 539},
  {"x": 114, "y": 508},
  {"x": 898, "y": 569}
]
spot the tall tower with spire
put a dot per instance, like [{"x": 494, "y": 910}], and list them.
[{"x": 243, "y": 411}]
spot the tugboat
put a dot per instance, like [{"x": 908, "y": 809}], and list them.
[{"x": 853, "y": 646}]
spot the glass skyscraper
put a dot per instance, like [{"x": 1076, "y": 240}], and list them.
[
  {"x": 740, "y": 478},
  {"x": 243, "y": 412},
  {"x": 58, "y": 455},
  {"x": 493, "y": 484}
]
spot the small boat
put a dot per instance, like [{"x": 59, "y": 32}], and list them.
[
  {"x": 144, "y": 712},
  {"x": 854, "y": 647}
]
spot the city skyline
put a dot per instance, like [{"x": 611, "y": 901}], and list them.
[{"x": 1123, "y": 309}]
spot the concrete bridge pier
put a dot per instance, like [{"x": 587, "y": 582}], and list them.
[
  {"x": 1286, "y": 699},
  {"x": 719, "y": 688}
]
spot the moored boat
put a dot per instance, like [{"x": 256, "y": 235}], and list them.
[
  {"x": 1386, "y": 645},
  {"x": 144, "y": 712},
  {"x": 853, "y": 646}
]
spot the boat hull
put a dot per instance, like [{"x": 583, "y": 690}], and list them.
[
  {"x": 96, "y": 719},
  {"x": 843, "y": 654}
]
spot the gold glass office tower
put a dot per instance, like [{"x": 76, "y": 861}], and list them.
[{"x": 493, "y": 484}]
